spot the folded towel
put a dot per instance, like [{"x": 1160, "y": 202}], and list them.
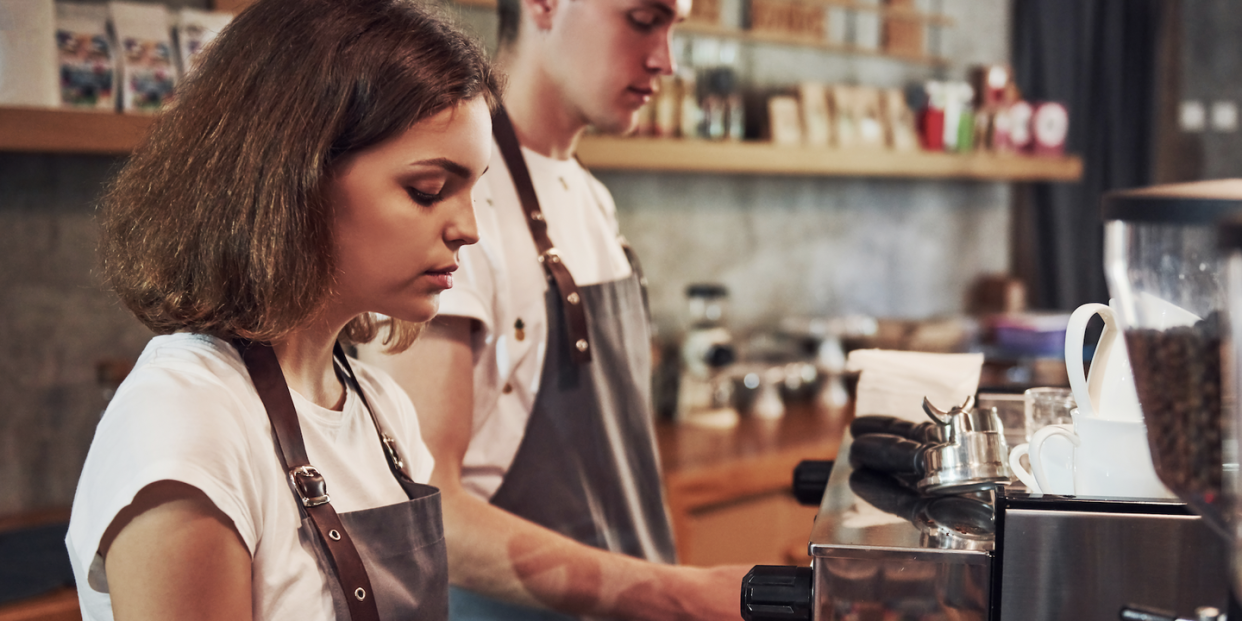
[{"x": 894, "y": 383}]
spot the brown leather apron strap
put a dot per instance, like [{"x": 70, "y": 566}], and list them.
[
  {"x": 575, "y": 315},
  {"x": 395, "y": 464},
  {"x": 308, "y": 485}
]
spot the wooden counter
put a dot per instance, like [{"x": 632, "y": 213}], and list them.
[
  {"x": 59, "y": 606},
  {"x": 729, "y": 489}
]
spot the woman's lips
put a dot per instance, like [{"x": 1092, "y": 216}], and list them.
[
  {"x": 642, "y": 93},
  {"x": 442, "y": 278}
]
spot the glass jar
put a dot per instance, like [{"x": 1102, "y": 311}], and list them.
[
  {"x": 707, "y": 305},
  {"x": 706, "y": 351},
  {"x": 1166, "y": 277},
  {"x": 1229, "y": 237}
]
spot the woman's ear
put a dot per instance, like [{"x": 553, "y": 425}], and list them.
[{"x": 540, "y": 12}]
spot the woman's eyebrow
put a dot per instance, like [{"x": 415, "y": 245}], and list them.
[
  {"x": 661, "y": 7},
  {"x": 449, "y": 165}
]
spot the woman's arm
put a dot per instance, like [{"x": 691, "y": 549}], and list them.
[
  {"x": 171, "y": 554},
  {"x": 502, "y": 555}
]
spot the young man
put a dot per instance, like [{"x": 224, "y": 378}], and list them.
[{"x": 533, "y": 385}]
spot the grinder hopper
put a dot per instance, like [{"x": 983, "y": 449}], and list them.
[{"x": 1166, "y": 275}]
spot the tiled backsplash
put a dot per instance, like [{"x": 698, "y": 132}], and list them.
[{"x": 805, "y": 246}]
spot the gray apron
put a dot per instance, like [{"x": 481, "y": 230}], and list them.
[
  {"x": 402, "y": 548},
  {"x": 587, "y": 466},
  {"x": 401, "y": 545}
]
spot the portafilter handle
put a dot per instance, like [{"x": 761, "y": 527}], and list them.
[
  {"x": 873, "y": 423},
  {"x": 889, "y": 454}
]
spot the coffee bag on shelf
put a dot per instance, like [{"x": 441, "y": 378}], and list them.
[
  {"x": 195, "y": 30},
  {"x": 86, "y": 58},
  {"x": 28, "y": 53},
  {"x": 148, "y": 74},
  {"x": 816, "y": 120}
]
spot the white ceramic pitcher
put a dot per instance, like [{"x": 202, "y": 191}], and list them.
[{"x": 1107, "y": 390}]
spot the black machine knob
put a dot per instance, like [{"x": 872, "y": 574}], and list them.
[
  {"x": 777, "y": 593},
  {"x": 810, "y": 479}
]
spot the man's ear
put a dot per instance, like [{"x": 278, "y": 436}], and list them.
[{"x": 540, "y": 12}]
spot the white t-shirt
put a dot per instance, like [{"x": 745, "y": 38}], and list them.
[
  {"x": 188, "y": 412},
  {"x": 500, "y": 282}
]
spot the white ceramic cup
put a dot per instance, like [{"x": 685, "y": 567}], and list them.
[
  {"x": 1056, "y": 464},
  {"x": 1107, "y": 391},
  {"x": 1109, "y": 458}
]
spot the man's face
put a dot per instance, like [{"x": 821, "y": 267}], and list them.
[{"x": 607, "y": 56}]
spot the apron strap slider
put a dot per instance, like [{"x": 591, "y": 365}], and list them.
[
  {"x": 550, "y": 255},
  {"x": 310, "y": 485},
  {"x": 390, "y": 447}
]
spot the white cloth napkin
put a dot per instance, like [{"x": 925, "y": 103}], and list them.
[{"x": 894, "y": 383}]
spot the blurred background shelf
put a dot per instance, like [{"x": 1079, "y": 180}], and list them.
[
  {"x": 35, "y": 130},
  {"x": 48, "y": 130},
  {"x": 760, "y": 158}
]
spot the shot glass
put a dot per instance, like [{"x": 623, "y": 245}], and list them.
[{"x": 1047, "y": 406}]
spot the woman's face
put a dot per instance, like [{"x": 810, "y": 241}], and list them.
[{"x": 403, "y": 209}]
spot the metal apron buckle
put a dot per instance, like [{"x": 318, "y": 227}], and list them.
[{"x": 310, "y": 485}]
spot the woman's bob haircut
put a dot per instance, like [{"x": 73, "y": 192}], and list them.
[{"x": 219, "y": 224}]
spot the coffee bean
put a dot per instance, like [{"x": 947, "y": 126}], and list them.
[{"x": 1178, "y": 376}]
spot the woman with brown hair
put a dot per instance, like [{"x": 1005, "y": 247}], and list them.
[{"x": 315, "y": 170}]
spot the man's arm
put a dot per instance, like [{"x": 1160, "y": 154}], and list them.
[{"x": 496, "y": 553}]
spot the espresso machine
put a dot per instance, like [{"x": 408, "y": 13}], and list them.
[{"x": 886, "y": 546}]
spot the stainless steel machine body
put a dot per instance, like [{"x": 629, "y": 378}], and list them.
[{"x": 1009, "y": 556}]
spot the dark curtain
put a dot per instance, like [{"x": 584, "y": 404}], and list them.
[{"x": 1099, "y": 58}]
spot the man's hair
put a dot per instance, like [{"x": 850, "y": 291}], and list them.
[
  {"x": 219, "y": 223},
  {"x": 509, "y": 17}
]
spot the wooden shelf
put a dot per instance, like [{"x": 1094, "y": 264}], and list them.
[
  {"x": 50, "y": 130},
  {"x": 37, "y": 130},
  {"x": 649, "y": 154}
]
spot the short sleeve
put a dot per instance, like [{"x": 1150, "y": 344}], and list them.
[
  {"x": 606, "y": 204},
  {"x": 167, "y": 424}
]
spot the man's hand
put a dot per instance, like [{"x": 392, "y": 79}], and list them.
[{"x": 689, "y": 594}]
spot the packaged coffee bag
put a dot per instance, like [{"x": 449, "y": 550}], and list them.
[
  {"x": 195, "y": 29},
  {"x": 148, "y": 74},
  {"x": 85, "y": 56},
  {"x": 28, "y": 53}
]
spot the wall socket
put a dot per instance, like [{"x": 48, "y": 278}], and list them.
[
  {"x": 1191, "y": 116},
  {"x": 1224, "y": 116}
]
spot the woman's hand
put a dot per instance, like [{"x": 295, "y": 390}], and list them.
[{"x": 172, "y": 554}]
